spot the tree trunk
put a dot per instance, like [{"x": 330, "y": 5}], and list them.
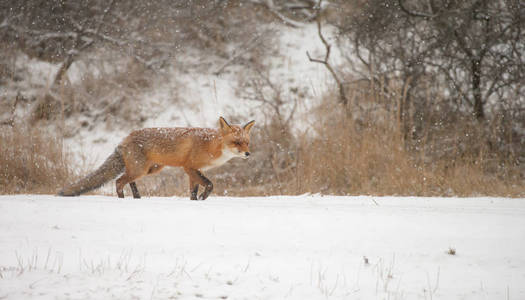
[
  {"x": 476, "y": 89},
  {"x": 63, "y": 69}
]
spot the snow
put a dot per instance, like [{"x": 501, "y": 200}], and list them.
[
  {"x": 195, "y": 97},
  {"x": 281, "y": 247}
]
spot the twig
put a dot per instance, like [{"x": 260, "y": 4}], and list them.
[
  {"x": 271, "y": 7},
  {"x": 415, "y": 14},
  {"x": 342, "y": 95},
  {"x": 11, "y": 120},
  {"x": 252, "y": 41}
]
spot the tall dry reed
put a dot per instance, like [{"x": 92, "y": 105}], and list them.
[{"x": 33, "y": 160}]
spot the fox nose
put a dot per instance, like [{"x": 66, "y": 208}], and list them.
[{"x": 246, "y": 154}]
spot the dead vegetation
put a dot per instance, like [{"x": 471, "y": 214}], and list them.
[
  {"x": 334, "y": 152},
  {"x": 33, "y": 160},
  {"x": 338, "y": 154},
  {"x": 378, "y": 135}
]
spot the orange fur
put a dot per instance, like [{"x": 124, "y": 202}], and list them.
[{"x": 147, "y": 151}]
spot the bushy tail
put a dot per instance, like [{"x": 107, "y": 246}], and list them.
[{"x": 111, "y": 168}]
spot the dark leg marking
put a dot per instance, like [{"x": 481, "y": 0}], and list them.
[
  {"x": 208, "y": 186},
  {"x": 194, "y": 192},
  {"x": 134, "y": 190}
]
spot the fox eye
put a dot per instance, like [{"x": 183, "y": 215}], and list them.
[{"x": 237, "y": 143}]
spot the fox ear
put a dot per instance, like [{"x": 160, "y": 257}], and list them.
[
  {"x": 225, "y": 127},
  {"x": 248, "y": 126}
]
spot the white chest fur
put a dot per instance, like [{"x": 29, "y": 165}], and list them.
[{"x": 226, "y": 155}]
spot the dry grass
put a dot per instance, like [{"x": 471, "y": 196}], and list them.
[
  {"x": 32, "y": 161},
  {"x": 350, "y": 158},
  {"x": 336, "y": 154},
  {"x": 367, "y": 152},
  {"x": 351, "y": 155}
]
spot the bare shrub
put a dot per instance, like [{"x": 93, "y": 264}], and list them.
[
  {"x": 369, "y": 156},
  {"x": 467, "y": 46},
  {"x": 362, "y": 153},
  {"x": 349, "y": 157},
  {"x": 32, "y": 160},
  {"x": 368, "y": 152},
  {"x": 108, "y": 94}
]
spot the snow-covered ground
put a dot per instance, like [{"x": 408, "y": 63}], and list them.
[{"x": 303, "y": 247}]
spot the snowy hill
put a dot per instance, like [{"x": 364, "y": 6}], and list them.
[
  {"x": 304, "y": 247},
  {"x": 194, "y": 95}
]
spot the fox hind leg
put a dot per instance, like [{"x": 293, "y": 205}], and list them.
[
  {"x": 125, "y": 179},
  {"x": 136, "y": 167},
  {"x": 152, "y": 170},
  {"x": 121, "y": 182}
]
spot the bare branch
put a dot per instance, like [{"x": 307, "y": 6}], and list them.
[
  {"x": 415, "y": 14},
  {"x": 342, "y": 95},
  {"x": 268, "y": 4},
  {"x": 11, "y": 121},
  {"x": 253, "y": 42},
  {"x": 77, "y": 46}
]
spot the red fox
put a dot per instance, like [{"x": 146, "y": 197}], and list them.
[{"x": 148, "y": 150}]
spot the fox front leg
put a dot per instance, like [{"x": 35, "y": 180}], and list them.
[
  {"x": 194, "y": 192},
  {"x": 194, "y": 189},
  {"x": 197, "y": 178},
  {"x": 208, "y": 187},
  {"x": 134, "y": 190}
]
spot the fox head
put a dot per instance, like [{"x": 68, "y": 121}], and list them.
[{"x": 236, "y": 138}]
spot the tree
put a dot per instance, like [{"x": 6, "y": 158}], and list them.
[
  {"x": 474, "y": 47},
  {"x": 60, "y": 31},
  {"x": 149, "y": 33}
]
